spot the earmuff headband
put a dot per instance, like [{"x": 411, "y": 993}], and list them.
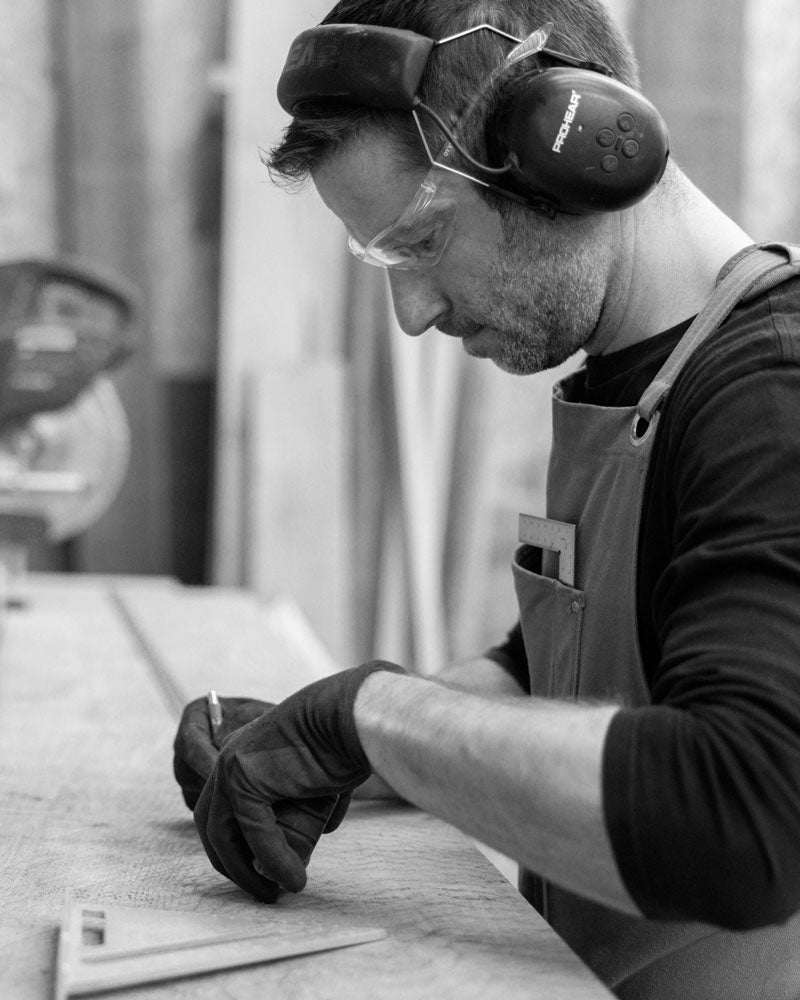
[{"x": 570, "y": 138}]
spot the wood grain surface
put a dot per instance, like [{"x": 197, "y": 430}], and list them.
[{"x": 89, "y": 802}]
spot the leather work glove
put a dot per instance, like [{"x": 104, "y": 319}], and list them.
[
  {"x": 302, "y": 757},
  {"x": 196, "y": 747}
]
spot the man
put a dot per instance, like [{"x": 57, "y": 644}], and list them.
[{"x": 635, "y": 743}]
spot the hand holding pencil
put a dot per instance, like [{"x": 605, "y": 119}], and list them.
[
  {"x": 204, "y": 726},
  {"x": 282, "y": 781}
]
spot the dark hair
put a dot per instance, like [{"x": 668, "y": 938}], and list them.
[{"x": 454, "y": 74}]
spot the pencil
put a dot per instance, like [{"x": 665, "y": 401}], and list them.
[{"x": 214, "y": 711}]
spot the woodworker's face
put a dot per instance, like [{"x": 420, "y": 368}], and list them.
[{"x": 524, "y": 291}]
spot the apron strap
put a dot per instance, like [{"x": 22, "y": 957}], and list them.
[{"x": 750, "y": 273}]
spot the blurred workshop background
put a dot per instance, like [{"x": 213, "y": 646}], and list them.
[{"x": 284, "y": 435}]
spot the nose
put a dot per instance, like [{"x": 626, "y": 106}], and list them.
[{"x": 418, "y": 302}]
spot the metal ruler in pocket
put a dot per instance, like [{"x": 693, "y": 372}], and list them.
[{"x": 556, "y": 537}]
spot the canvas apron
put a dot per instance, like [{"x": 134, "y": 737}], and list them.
[{"x": 581, "y": 642}]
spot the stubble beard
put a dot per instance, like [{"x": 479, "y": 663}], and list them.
[{"x": 544, "y": 306}]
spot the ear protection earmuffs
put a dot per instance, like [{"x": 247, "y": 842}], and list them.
[{"x": 569, "y": 136}]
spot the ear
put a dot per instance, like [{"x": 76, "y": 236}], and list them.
[{"x": 580, "y": 139}]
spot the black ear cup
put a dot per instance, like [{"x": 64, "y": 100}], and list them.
[
  {"x": 584, "y": 141},
  {"x": 358, "y": 64}
]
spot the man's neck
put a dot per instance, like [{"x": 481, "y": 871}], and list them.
[{"x": 675, "y": 246}]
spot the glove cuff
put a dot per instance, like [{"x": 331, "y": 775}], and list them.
[{"x": 347, "y": 723}]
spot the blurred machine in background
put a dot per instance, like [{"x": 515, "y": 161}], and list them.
[{"x": 64, "y": 437}]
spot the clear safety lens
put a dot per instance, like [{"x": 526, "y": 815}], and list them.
[{"x": 417, "y": 239}]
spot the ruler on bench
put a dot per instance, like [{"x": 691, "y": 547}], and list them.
[{"x": 104, "y": 947}]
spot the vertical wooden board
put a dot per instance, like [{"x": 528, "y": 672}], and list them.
[
  {"x": 373, "y": 442},
  {"x": 427, "y": 377},
  {"x": 771, "y": 116},
  {"x": 27, "y": 125},
  {"x": 104, "y": 169},
  {"x": 501, "y": 470},
  {"x": 283, "y": 257},
  {"x": 691, "y": 60},
  {"x": 296, "y": 524},
  {"x": 29, "y": 208},
  {"x": 181, "y": 41}
]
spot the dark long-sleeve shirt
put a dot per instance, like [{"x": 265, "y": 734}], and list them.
[{"x": 702, "y": 787}]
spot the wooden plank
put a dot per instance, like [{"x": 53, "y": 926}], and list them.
[
  {"x": 72, "y": 691},
  {"x": 88, "y": 802},
  {"x": 771, "y": 120},
  {"x": 374, "y": 451},
  {"x": 223, "y": 638},
  {"x": 283, "y": 257},
  {"x": 28, "y": 210},
  {"x": 29, "y": 206},
  {"x": 427, "y": 380},
  {"x": 297, "y": 512},
  {"x": 181, "y": 41},
  {"x": 103, "y": 186},
  {"x": 691, "y": 59}
]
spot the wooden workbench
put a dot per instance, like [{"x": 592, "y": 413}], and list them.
[{"x": 92, "y": 674}]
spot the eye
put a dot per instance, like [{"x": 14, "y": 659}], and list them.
[
  {"x": 418, "y": 242},
  {"x": 428, "y": 243}
]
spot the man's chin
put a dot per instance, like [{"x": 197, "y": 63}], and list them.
[
  {"x": 491, "y": 345},
  {"x": 481, "y": 344},
  {"x": 509, "y": 366}
]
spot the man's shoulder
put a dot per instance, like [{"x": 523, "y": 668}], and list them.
[
  {"x": 758, "y": 338},
  {"x": 762, "y": 325}
]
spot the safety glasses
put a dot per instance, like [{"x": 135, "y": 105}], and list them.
[{"x": 419, "y": 237}]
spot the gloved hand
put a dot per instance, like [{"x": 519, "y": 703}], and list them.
[
  {"x": 196, "y": 748},
  {"x": 305, "y": 752}
]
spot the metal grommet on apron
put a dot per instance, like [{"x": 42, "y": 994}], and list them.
[
  {"x": 581, "y": 641},
  {"x": 641, "y": 430}
]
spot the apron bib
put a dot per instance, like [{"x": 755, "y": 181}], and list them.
[{"x": 581, "y": 642}]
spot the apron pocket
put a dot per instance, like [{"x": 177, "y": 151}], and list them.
[{"x": 551, "y": 616}]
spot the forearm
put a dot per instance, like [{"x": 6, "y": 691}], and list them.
[
  {"x": 521, "y": 776},
  {"x": 480, "y": 675}
]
